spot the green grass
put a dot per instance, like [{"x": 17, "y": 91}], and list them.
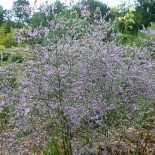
[{"x": 4, "y": 63}]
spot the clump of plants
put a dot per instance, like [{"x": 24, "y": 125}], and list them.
[
  {"x": 81, "y": 95},
  {"x": 7, "y": 38},
  {"x": 17, "y": 57},
  {"x": 4, "y": 56}
]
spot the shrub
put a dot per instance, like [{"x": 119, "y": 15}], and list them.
[
  {"x": 88, "y": 94},
  {"x": 4, "y": 115},
  {"x": 4, "y": 56},
  {"x": 2, "y": 47},
  {"x": 17, "y": 57},
  {"x": 7, "y": 39}
]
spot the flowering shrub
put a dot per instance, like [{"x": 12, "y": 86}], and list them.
[
  {"x": 31, "y": 36},
  {"x": 82, "y": 95}
]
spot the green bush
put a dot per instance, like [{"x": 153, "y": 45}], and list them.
[
  {"x": 52, "y": 148},
  {"x": 4, "y": 56},
  {"x": 22, "y": 45},
  {"x": 4, "y": 63},
  {"x": 2, "y": 47},
  {"x": 17, "y": 57},
  {"x": 7, "y": 39},
  {"x": 4, "y": 115}
]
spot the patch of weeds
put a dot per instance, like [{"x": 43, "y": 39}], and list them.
[
  {"x": 4, "y": 63},
  {"x": 4, "y": 115},
  {"x": 4, "y": 56},
  {"x": 52, "y": 148}
]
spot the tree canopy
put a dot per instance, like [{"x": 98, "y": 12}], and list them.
[{"x": 19, "y": 10}]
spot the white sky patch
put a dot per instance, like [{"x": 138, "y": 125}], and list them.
[{"x": 7, "y": 4}]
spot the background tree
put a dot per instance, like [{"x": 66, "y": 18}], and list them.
[
  {"x": 145, "y": 10},
  {"x": 38, "y": 18},
  {"x": 1, "y": 15},
  {"x": 93, "y": 4},
  {"x": 56, "y": 8},
  {"x": 10, "y": 23},
  {"x": 115, "y": 13},
  {"x": 59, "y": 6},
  {"x": 21, "y": 15}
]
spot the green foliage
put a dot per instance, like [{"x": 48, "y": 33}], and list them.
[
  {"x": 4, "y": 115},
  {"x": 145, "y": 11},
  {"x": 127, "y": 28},
  {"x": 137, "y": 39},
  {"x": 3, "y": 63},
  {"x": 38, "y": 18},
  {"x": 13, "y": 81},
  {"x": 21, "y": 16},
  {"x": 2, "y": 47},
  {"x": 7, "y": 39},
  {"x": 152, "y": 25},
  {"x": 42, "y": 18},
  {"x": 59, "y": 7},
  {"x": 23, "y": 45},
  {"x": 130, "y": 39},
  {"x": 3, "y": 39},
  {"x": 34, "y": 149},
  {"x": 72, "y": 22},
  {"x": 17, "y": 57},
  {"x": 52, "y": 148},
  {"x": 1, "y": 15},
  {"x": 126, "y": 23},
  {"x": 93, "y": 4},
  {"x": 4, "y": 56},
  {"x": 8, "y": 20},
  {"x": 114, "y": 13}
]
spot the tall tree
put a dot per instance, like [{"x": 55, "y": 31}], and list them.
[
  {"x": 56, "y": 8},
  {"x": 21, "y": 15},
  {"x": 145, "y": 10},
  {"x": 38, "y": 18},
  {"x": 1, "y": 15},
  {"x": 93, "y": 4}
]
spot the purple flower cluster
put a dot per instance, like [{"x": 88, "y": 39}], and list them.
[
  {"x": 87, "y": 92},
  {"x": 27, "y": 9},
  {"x": 31, "y": 36}
]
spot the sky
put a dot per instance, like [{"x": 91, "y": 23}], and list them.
[{"x": 7, "y": 4}]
